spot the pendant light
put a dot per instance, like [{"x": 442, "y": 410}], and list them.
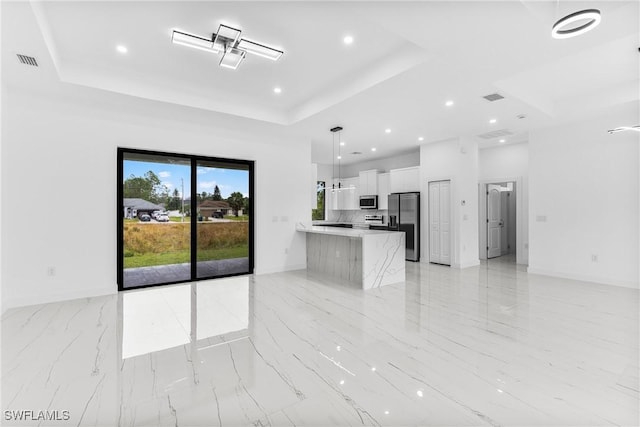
[
  {"x": 338, "y": 130},
  {"x": 562, "y": 28}
]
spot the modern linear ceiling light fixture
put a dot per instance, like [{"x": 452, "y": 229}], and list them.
[
  {"x": 228, "y": 42},
  {"x": 566, "y": 27},
  {"x": 624, "y": 128}
]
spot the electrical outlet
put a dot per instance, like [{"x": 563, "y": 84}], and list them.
[
  {"x": 51, "y": 271},
  {"x": 594, "y": 258}
]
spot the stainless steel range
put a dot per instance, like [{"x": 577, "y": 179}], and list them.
[{"x": 374, "y": 219}]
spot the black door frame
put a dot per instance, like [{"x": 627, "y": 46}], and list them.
[{"x": 194, "y": 159}]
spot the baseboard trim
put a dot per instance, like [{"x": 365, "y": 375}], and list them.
[
  {"x": 467, "y": 264},
  {"x": 24, "y": 301},
  {"x": 584, "y": 278},
  {"x": 262, "y": 271}
]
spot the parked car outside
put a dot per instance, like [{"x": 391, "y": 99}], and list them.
[
  {"x": 155, "y": 214},
  {"x": 162, "y": 218},
  {"x": 218, "y": 215},
  {"x": 145, "y": 218}
]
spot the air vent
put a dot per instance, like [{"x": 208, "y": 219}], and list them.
[
  {"x": 356, "y": 152},
  {"x": 493, "y": 97},
  {"x": 496, "y": 134},
  {"x": 27, "y": 60}
]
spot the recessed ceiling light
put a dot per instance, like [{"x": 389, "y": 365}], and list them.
[
  {"x": 342, "y": 143},
  {"x": 373, "y": 149},
  {"x": 448, "y": 103},
  {"x": 502, "y": 141},
  {"x": 339, "y": 157},
  {"x": 277, "y": 90},
  {"x": 348, "y": 40},
  {"x": 421, "y": 139},
  {"x": 492, "y": 121},
  {"x": 122, "y": 49},
  {"x": 387, "y": 130}
]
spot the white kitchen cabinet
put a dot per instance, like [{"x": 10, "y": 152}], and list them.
[
  {"x": 383, "y": 190},
  {"x": 368, "y": 183},
  {"x": 404, "y": 180},
  {"x": 347, "y": 198}
]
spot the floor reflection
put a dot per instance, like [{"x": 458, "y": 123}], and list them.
[{"x": 487, "y": 345}]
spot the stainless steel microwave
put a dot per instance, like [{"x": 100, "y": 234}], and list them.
[{"x": 368, "y": 202}]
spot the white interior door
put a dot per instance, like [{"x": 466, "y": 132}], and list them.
[
  {"x": 434, "y": 222},
  {"x": 494, "y": 221},
  {"x": 440, "y": 222},
  {"x": 445, "y": 222}
]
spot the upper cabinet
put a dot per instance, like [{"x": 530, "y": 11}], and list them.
[
  {"x": 383, "y": 190},
  {"x": 404, "y": 180},
  {"x": 368, "y": 183}
]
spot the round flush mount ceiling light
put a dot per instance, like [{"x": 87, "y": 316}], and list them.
[
  {"x": 492, "y": 121},
  {"x": 373, "y": 149},
  {"x": 448, "y": 103},
  {"x": 387, "y": 130},
  {"x": 563, "y": 29},
  {"x": 347, "y": 39},
  {"x": 421, "y": 138},
  {"x": 277, "y": 90},
  {"x": 122, "y": 49}
]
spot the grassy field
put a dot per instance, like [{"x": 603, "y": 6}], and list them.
[{"x": 148, "y": 244}]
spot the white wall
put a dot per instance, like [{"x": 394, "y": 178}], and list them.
[
  {"x": 583, "y": 198},
  {"x": 457, "y": 160},
  {"x": 502, "y": 164},
  {"x": 59, "y": 185},
  {"x": 404, "y": 160}
]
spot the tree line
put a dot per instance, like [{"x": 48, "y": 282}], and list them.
[{"x": 149, "y": 187}]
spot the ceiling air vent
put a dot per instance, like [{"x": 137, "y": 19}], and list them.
[
  {"x": 496, "y": 134},
  {"x": 27, "y": 60},
  {"x": 493, "y": 97}
]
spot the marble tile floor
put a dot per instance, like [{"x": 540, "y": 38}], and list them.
[
  {"x": 485, "y": 346},
  {"x": 142, "y": 276}
]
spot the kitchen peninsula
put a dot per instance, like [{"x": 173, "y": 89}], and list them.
[{"x": 367, "y": 258}]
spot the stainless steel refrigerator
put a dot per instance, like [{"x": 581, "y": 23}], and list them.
[{"x": 404, "y": 215}]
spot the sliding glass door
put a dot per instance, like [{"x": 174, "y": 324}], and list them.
[{"x": 182, "y": 218}]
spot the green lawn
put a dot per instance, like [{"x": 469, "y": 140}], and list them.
[
  {"x": 179, "y": 219},
  {"x": 152, "y": 259},
  {"x": 237, "y": 218}
]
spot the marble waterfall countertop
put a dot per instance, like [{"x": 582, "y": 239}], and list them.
[{"x": 367, "y": 258}]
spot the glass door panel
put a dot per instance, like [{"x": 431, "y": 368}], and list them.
[
  {"x": 156, "y": 234},
  {"x": 223, "y": 211}
]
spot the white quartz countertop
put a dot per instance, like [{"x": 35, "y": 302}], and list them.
[{"x": 338, "y": 231}]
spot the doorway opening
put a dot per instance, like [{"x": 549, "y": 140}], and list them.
[{"x": 500, "y": 222}]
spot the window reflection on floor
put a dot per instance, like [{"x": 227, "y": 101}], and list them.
[{"x": 161, "y": 318}]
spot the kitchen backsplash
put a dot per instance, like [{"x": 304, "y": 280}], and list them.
[{"x": 354, "y": 216}]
